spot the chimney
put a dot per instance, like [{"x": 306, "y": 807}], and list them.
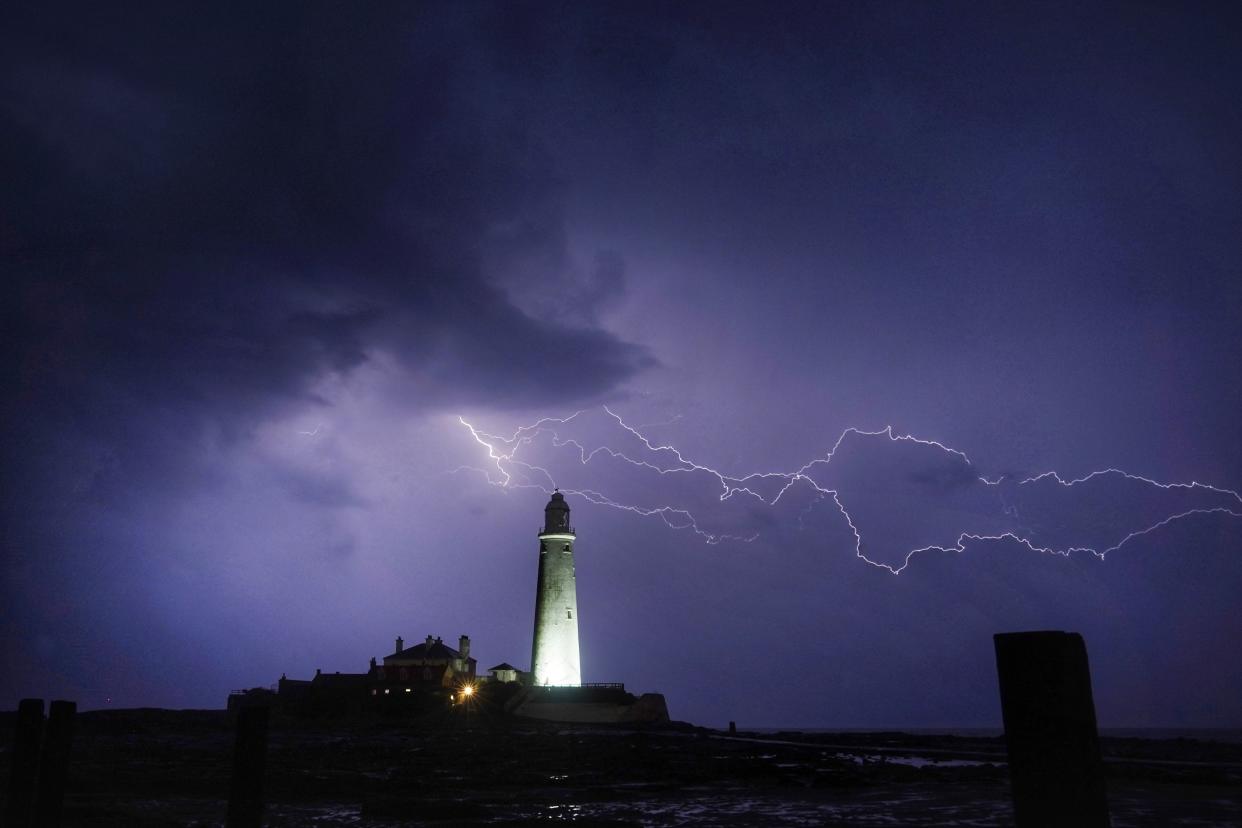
[
  {"x": 463, "y": 646},
  {"x": 400, "y": 643},
  {"x": 430, "y": 641}
]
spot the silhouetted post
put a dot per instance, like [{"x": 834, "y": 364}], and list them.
[
  {"x": 27, "y": 735},
  {"x": 249, "y": 758},
  {"x": 1054, "y": 748},
  {"x": 54, "y": 764},
  {"x": 732, "y": 728}
]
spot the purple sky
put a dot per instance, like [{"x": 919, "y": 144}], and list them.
[{"x": 258, "y": 261}]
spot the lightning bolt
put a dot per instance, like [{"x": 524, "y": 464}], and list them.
[
  {"x": 508, "y": 471},
  {"x": 674, "y": 517}
]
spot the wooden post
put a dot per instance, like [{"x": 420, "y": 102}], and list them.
[
  {"x": 54, "y": 764},
  {"x": 1054, "y": 749},
  {"x": 249, "y": 759},
  {"x": 27, "y": 735}
]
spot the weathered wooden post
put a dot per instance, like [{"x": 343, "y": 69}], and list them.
[
  {"x": 1054, "y": 749},
  {"x": 54, "y": 764},
  {"x": 27, "y": 736},
  {"x": 249, "y": 761}
]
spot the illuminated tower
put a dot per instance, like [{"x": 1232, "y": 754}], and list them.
[{"x": 554, "y": 660}]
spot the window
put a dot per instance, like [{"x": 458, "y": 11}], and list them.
[{"x": 569, "y": 613}]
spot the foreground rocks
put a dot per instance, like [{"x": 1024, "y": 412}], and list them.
[{"x": 466, "y": 767}]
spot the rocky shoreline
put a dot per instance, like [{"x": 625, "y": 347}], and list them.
[{"x": 148, "y": 768}]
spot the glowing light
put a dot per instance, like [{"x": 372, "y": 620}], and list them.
[
  {"x": 467, "y": 691},
  {"x": 510, "y": 472}
]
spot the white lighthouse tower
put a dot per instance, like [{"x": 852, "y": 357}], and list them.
[{"x": 555, "y": 660}]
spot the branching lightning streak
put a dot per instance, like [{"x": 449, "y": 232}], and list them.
[
  {"x": 502, "y": 452},
  {"x": 1069, "y": 483},
  {"x": 674, "y": 517}
]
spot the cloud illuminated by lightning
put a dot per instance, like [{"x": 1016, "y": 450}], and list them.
[{"x": 509, "y": 471}]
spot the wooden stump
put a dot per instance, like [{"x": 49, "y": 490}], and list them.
[{"x": 1054, "y": 749}]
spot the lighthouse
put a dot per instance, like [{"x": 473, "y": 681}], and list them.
[{"x": 554, "y": 660}]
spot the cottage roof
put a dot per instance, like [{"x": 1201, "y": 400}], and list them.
[
  {"x": 434, "y": 650},
  {"x": 504, "y": 665}
]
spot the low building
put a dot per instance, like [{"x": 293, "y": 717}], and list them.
[
  {"x": 410, "y": 678},
  {"x": 504, "y": 673},
  {"x": 327, "y": 694},
  {"x": 432, "y": 663}
]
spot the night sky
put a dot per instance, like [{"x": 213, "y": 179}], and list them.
[{"x": 259, "y": 260}]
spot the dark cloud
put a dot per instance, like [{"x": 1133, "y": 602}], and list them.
[
  {"x": 212, "y": 214},
  {"x": 946, "y": 475},
  {"x": 218, "y": 213}
]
